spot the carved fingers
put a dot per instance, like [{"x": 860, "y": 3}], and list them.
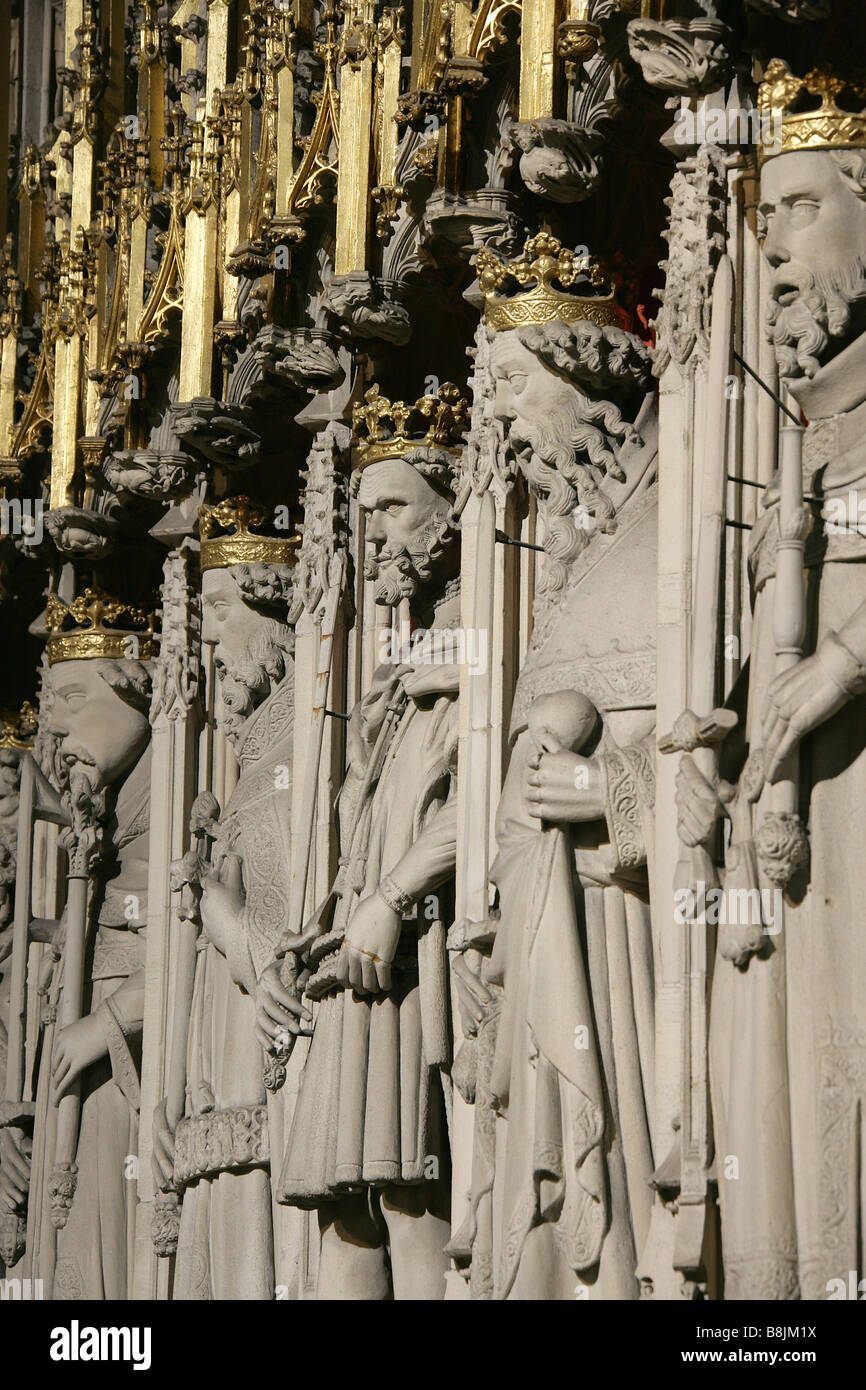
[
  {"x": 364, "y": 962},
  {"x": 75, "y": 1049},
  {"x": 473, "y": 996},
  {"x": 163, "y": 1148},
  {"x": 563, "y": 786},
  {"x": 280, "y": 1016},
  {"x": 797, "y": 702},
  {"x": 15, "y": 1151},
  {"x": 698, "y": 804}
]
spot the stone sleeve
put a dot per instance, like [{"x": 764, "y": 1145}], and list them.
[{"x": 628, "y": 785}]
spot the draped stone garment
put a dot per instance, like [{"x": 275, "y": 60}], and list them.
[
  {"x": 372, "y": 1104},
  {"x": 92, "y": 1255},
  {"x": 788, "y": 1030},
  {"x": 226, "y": 1245},
  {"x": 561, "y": 1196}
]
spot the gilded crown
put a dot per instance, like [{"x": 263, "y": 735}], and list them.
[
  {"x": 549, "y": 269},
  {"x": 228, "y": 537},
  {"x": 384, "y": 429},
  {"x": 94, "y": 626},
  {"x": 782, "y": 97}
]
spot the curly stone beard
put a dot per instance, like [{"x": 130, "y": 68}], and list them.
[
  {"x": 565, "y": 460},
  {"x": 801, "y": 331},
  {"x": 401, "y": 571},
  {"x": 248, "y": 682}
]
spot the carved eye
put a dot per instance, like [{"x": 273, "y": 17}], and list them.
[
  {"x": 395, "y": 508},
  {"x": 517, "y": 381},
  {"x": 763, "y": 224},
  {"x": 804, "y": 211}
]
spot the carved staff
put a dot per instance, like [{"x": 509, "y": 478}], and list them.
[
  {"x": 186, "y": 875},
  {"x": 701, "y": 734},
  {"x": 274, "y": 1072},
  {"x": 82, "y": 842},
  {"x": 37, "y": 801},
  {"x": 781, "y": 842}
]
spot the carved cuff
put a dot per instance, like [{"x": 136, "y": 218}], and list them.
[
  {"x": 123, "y": 1068},
  {"x": 622, "y": 810},
  {"x": 841, "y": 665},
  {"x": 394, "y": 896}
]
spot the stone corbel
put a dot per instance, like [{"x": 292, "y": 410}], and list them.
[
  {"x": 368, "y": 307},
  {"x": 79, "y": 533},
  {"x": 559, "y": 160},
  {"x": 297, "y": 359},
  {"x": 685, "y": 57},
  {"x": 221, "y": 433},
  {"x": 148, "y": 475}
]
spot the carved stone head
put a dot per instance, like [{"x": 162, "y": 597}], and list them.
[
  {"x": 245, "y": 610},
  {"x": 812, "y": 215},
  {"x": 408, "y": 503},
  {"x": 99, "y": 714},
  {"x": 567, "y": 395}
]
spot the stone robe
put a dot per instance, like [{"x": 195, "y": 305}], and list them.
[
  {"x": 564, "y": 1076},
  {"x": 372, "y": 1104},
  {"x": 788, "y": 1030},
  {"x": 226, "y": 1245},
  {"x": 92, "y": 1255}
]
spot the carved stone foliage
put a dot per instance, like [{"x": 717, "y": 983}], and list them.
[
  {"x": 177, "y": 672},
  {"x": 695, "y": 242}
]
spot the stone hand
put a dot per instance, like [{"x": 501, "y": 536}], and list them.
[
  {"x": 76, "y": 1047},
  {"x": 163, "y": 1146},
  {"x": 279, "y": 1015},
  {"x": 797, "y": 702},
  {"x": 221, "y": 905},
  {"x": 563, "y": 786},
  {"x": 364, "y": 963},
  {"x": 473, "y": 997},
  {"x": 367, "y": 717},
  {"x": 698, "y": 804},
  {"x": 15, "y": 1150}
]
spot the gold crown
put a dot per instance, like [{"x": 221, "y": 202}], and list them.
[
  {"x": 384, "y": 429},
  {"x": 543, "y": 261},
  {"x": 18, "y": 727},
  {"x": 96, "y": 632},
  {"x": 825, "y": 127},
  {"x": 243, "y": 546}
]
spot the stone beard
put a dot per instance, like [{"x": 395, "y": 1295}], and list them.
[
  {"x": 562, "y": 436},
  {"x": 402, "y": 567},
  {"x": 814, "y": 310}
]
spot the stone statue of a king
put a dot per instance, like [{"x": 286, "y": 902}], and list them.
[
  {"x": 369, "y": 1142},
  {"x": 570, "y": 977}
]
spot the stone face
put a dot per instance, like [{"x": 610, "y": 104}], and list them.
[{"x": 432, "y": 769}]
